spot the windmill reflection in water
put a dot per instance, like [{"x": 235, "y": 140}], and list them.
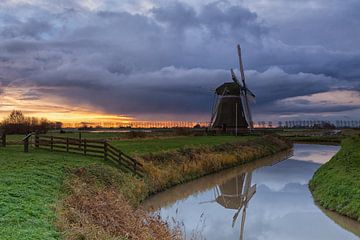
[{"x": 235, "y": 194}]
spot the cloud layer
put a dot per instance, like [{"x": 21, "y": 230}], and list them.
[{"x": 152, "y": 59}]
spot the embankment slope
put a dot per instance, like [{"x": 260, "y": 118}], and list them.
[{"x": 336, "y": 184}]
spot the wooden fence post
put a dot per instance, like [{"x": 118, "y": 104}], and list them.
[
  {"x": 51, "y": 143},
  {"x": 134, "y": 167},
  {"x": 26, "y": 142},
  {"x": 84, "y": 146},
  {"x": 67, "y": 144},
  {"x": 3, "y": 139},
  {"x": 105, "y": 151},
  {"x": 26, "y": 145},
  {"x": 37, "y": 140}
]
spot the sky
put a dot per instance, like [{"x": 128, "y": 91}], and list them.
[{"x": 162, "y": 60}]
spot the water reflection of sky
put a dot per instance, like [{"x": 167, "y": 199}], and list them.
[{"x": 281, "y": 209}]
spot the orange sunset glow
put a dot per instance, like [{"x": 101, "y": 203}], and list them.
[
  {"x": 34, "y": 104},
  {"x": 54, "y": 109}
]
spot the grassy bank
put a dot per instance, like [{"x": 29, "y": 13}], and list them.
[
  {"x": 58, "y": 195},
  {"x": 165, "y": 169},
  {"x": 336, "y": 185}
]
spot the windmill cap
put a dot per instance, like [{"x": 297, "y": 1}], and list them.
[{"x": 229, "y": 88}]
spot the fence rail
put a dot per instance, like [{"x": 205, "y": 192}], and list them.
[{"x": 96, "y": 148}]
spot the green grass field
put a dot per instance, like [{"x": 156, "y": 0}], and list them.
[
  {"x": 336, "y": 185},
  {"x": 143, "y": 146},
  {"x": 30, "y": 183},
  {"x": 30, "y": 186}
]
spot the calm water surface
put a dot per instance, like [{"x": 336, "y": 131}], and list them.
[{"x": 267, "y": 199}]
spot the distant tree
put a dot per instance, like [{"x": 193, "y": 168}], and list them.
[
  {"x": 15, "y": 117},
  {"x": 15, "y": 123},
  {"x": 18, "y": 123},
  {"x": 57, "y": 125}
]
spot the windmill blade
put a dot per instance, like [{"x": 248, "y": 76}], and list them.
[
  {"x": 248, "y": 113},
  {"x": 234, "y": 78},
  {"x": 250, "y": 98},
  {"x": 245, "y": 105},
  {"x": 241, "y": 65},
  {"x": 251, "y": 193},
  {"x": 237, "y": 213},
  {"x": 248, "y": 92},
  {"x": 242, "y": 224},
  {"x": 248, "y": 196},
  {"x": 245, "y": 91}
]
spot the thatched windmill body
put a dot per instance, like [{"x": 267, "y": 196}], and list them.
[{"x": 232, "y": 107}]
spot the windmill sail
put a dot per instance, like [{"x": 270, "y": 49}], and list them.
[{"x": 245, "y": 91}]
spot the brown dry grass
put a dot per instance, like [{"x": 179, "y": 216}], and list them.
[{"x": 96, "y": 208}]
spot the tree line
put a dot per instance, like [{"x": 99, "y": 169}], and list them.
[
  {"x": 18, "y": 123},
  {"x": 310, "y": 124}
]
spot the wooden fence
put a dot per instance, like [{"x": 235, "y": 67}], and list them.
[{"x": 96, "y": 148}]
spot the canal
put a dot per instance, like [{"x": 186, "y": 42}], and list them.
[{"x": 265, "y": 199}]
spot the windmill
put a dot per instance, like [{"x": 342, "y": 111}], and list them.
[
  {"x": 232, "y": 109},
  {"x": 235, "y": 194}
]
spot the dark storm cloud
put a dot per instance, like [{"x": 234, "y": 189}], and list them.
[
  {"x": 31, "y": 28},
  {"x": 179, "y": 16},
  {"x": 21, "y": 46},
  {"x": 169, "y": 59},
  {"x": 161, "y": 91},
  {"x": 218, "y": 18}
]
